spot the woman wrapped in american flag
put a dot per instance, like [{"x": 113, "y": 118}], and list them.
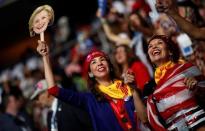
[{"x": 172, "y": 105}]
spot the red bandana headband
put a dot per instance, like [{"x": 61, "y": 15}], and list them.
[{"x": 91, "y": 56}]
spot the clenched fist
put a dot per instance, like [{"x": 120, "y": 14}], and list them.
[{"x": 42, "y": 48}]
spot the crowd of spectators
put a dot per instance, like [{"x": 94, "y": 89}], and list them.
[{"x": 127, "y": 24}]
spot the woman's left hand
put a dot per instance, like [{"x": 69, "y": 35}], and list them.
[{"x": 190, "y": 82}]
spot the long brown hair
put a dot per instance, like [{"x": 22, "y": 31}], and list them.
[
  {"x": 93, "y": 84},
  {"x": 131, "y": 57}
]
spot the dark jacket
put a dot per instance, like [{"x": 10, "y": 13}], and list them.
[
  {"x": 11, "y": 123},
  {"x": 71, "y": 118},
  {"x": 101, "y": 113}
]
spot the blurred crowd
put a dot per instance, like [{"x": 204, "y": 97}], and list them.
[{"x": 121, "y": 31}]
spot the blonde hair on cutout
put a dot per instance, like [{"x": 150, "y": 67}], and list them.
[{"x": 47, "y": 8}]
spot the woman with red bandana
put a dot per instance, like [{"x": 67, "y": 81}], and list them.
[
  {"x": 172, "y": 105},
  {"x": 110, "y": 104}
]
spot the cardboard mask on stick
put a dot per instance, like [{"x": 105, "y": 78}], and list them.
[{"x": 40, "y": 19}]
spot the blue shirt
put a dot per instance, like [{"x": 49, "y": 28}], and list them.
[{"x": 101, "y": 113}]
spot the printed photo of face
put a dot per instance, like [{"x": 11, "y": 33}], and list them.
[
  {"x": 41, "y": 17},
  {"x": 41, "y": 21}
]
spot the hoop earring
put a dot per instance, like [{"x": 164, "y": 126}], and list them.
[{"x": 90, "y": 75}]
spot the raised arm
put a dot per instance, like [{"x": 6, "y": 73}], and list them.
[
  {"x": 43, "y": 50},
  {"x": 189, "y": 28},
  {"x": 169, "y": 7},
  {"x": 110, "y": 35},
  {"x": 74, "y": 98},
  {"x": 137, "y": 25}
]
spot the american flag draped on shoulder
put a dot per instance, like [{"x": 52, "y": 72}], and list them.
[{"x": 174, "y": 101}]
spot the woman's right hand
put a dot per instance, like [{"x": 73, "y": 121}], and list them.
[{"x": 42, "y": 48}]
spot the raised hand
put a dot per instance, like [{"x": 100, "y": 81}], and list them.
[
  {"x": 166, "y": 6},
  {"x": 99, "y": 13},
  {"x": 42, "y": 48}
]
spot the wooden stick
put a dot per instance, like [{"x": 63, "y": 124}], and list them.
[{"x": 42, "y": 36}]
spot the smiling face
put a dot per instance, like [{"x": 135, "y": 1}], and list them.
[
  {"x": 40, "y": 22},
  {"x": 158, "y": 52},
  {"x": 99, "y": 67},
  {"x": 120, "y": 55}
]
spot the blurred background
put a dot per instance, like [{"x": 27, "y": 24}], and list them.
[
  {"x": 75, "y": 32},
  {"x": 14, "y": 24}
]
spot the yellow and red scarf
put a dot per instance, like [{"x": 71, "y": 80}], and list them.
[
  {"x": 116, "y": 94},
  {"x": 161, "y": 70},
  {"x": 117, "y": 90}
]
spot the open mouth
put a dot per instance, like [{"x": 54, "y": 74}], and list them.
[
  {"x": 41, "y": 26},
  {"x": 101, "y": 68},
  {"x": 156, "y": 52}
]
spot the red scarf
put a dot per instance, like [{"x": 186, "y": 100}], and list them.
[{"x": 118, "y": 106}]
